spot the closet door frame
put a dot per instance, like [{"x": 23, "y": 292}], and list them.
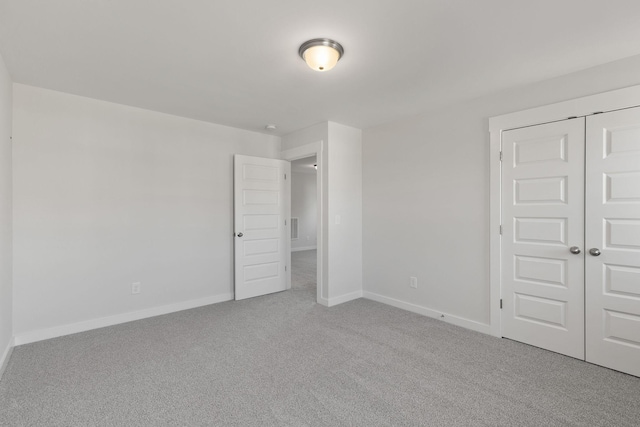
[{"x": 586, "y": 106}]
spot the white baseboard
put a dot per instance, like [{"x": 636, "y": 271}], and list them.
[
  {"x": 304, "y": 248},
  {"x": 449, "y": 318},
  {"x": 4, "y": 358},
  {"x": 344, "y": 298},
  {"x": 87, "y": 325}
]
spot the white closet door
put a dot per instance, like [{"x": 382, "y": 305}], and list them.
[
  {"x": 613, "y": 229},
  {"x": 542, "y": 218}
]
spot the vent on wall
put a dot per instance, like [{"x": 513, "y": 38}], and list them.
[{"x": 294, "y": 228}]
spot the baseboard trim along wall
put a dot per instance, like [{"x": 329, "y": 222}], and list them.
[
  {"x": 73, "y": 328},
  {"x": 449, "y": 318},
  {"x": 4, "y": 359},
  {"x": 344, "y": 298},
  {"x": 304, "y": 248}
]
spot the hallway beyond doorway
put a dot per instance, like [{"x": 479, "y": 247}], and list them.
[{"x": 303, "y": 271}]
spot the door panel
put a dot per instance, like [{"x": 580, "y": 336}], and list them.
[
  {"x": 550, "y": 231},
  {"x": 543, "y": 216},
  {"x": 541, "y": 310},
  {"x": 613, "y": 226},
  {"x": 538, "y": 191},
  {"x": 541, "y": 270},
  {"x": 261, "y": 206}
]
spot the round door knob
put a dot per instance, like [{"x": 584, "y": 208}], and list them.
[
  {"x": 594, "y": 251},
  {"x": 240, "y": 234},
  {"x": 574, "y": 250}
]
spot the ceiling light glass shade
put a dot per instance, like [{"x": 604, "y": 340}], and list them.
[
  {"x": 321, "y": 54},
  {"x": 321, "y": 58}
]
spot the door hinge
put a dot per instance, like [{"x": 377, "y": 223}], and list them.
[
  {"x": 285, "y": 176},
  {"x": 501, "y": 156},
  {"x": 285, "y": 268},
  {"x": 285, "y": 222},
  {"x": 501, "y": 229},
  {"x": 500, "y": 303}
]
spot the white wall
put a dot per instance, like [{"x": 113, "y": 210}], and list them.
[
  {"x": 345, "y": 201},
  {"x": 6, "y": 298},
  {"x": 303, "y": 207},
  {"x": 106, "y": 195},
  {"x": 426, "y": 197}
]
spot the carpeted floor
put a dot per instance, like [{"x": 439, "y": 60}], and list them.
[
  {"x": 303, "y": 270},
  {"x": 282, "y": 360}
]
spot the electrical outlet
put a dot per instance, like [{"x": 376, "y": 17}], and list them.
[
  {"x": 413, "y": 282},
  {"x": 135, "y": 288}
]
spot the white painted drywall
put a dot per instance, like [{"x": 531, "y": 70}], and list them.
[
  {"x": 308, "y": 135},
  {"x": 6, "y": 289},
  {"x": 106, "y": 195},
  {"x": 303, "y": 207},
  {"x": 426, "y": 196},
  {"x": 345, "y": 212}
]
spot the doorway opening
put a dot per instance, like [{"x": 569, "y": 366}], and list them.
[
  {"x": 304, "y": 226},
  {"x": 303, "y": 152}
]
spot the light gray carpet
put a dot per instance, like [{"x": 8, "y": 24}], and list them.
[
  {"x": 282, "y": 360},
  {"x": 303, "y": 270}
]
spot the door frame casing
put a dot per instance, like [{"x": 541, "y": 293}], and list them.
[
  {"x": 608, "y": 101},
  {"x": 308, "y": 150}
]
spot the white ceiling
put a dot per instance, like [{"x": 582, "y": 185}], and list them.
[{"x": 236, "y": 63}]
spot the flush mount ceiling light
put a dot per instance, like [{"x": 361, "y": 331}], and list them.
[{"x": 321, "y": 54}]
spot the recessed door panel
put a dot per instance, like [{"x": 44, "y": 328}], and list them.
[
  {"x": 542, "y": 310},
  {"x": 622, "y": 280},
  {"x": 540, "y": 190},
  {"x": 269, "y": 270},
  {"x": 261, "y": 222},
  {"x": 260, "y": 197},
  {"x": 548, "y": 231},
  {"x": 260, "y": 173},
  {"x": 548, "y": 149},
  {"x": 622, "y": 233},
  {"x": 541, "y": 270},
  {"x": 622, "y": 187},
  {"x": 261, "y": 247},
  {"x": 613, "y": 227},
  {"x": 543, "y": 199},
  {"x": 619, "y": 141},
  {"x": 623, "y": 328}
]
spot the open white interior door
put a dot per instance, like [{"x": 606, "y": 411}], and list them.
[{"x": 262, "y": 189}]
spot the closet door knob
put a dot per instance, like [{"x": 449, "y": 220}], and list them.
[
  {"x": 240, "y": 234},
  {"x": 594, "y": 251},
  {"x": 574, "y": 250}
]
